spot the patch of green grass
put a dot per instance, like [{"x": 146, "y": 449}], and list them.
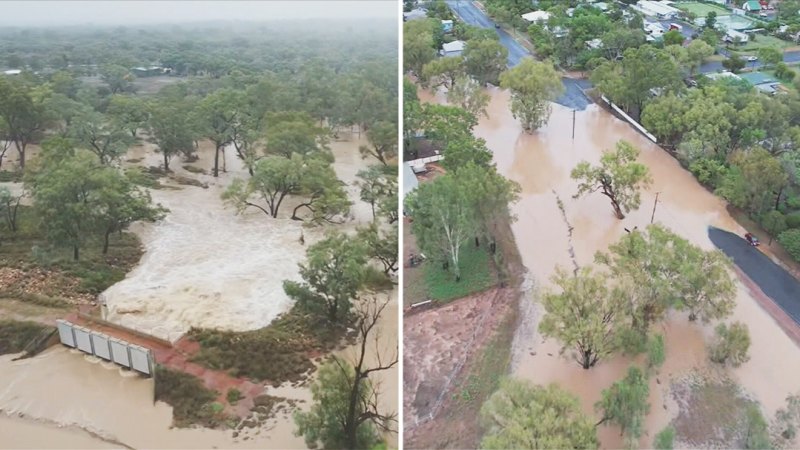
[
  {"x": 192, "y": 403},
  {"x": 763, "y": 41},
  {"x": 477, "y": 274},
  {"x": 701, "y": 9},
  {"x": 280, "y": 352},
  {"x": 15, "y": 335},
  {"x": 10, "y": 176}
]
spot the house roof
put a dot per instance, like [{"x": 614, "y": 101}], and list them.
[
  {"x": 534, "y": 16},
  {"x": 756, "y": 78},
  {"x": 455, "y": 46},
  {"x": 752, "y": 5},
  {"x": 409, "y": 179}
]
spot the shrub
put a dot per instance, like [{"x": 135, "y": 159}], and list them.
[
  {"x": 664, "y": 439},
  {"x": 708, "y": 171},
  {"x": 731, "y": 344},
  {"x": 233, "y": 396},
  {"x": 790, "y": 240},
  {"x": 655, "y": 351},
  {"x": 793, "y": 220}
]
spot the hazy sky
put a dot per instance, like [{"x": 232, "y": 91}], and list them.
[{"x": 39, "y": 13}]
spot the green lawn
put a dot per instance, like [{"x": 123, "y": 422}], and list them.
[
  {"x": 477, "y": 274},
  {"x": 762, "y": 41},
  {"x": 701, "y": 9}
]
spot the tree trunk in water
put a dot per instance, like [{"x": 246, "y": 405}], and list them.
[
  {"x": 477, "y": 242},
  {"x": 166, "y": 162},
  {"x": 617, "y": 209},
  {"x": 75, "y": 253}
]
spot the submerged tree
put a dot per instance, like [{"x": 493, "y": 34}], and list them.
[
  {"x": 586, "y": 315},
  {"x": 522, "y": 415},
  {"x": 533, "y": 86},
  {"x": 383, "y": 142},
  {"x": 619, "y": 177},
  {"x": 108, "y": 140},
  {"x": 660, "y": 270},
  {"x": 345, "y": 413},
  {"x": 625, "y": 404},
  {"x": 171, "y": 130},
  {"x": 275, "y": 177},
  {"x": 332, "y": 277},
  {"x": 468, "y": 93},
  {"x": 731, "y": 344}
]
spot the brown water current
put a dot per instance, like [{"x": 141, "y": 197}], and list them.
[{"x": 541, "y": 163}]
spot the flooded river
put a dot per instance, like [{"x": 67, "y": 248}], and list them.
[
  {"x": 541, "y": 164},
  {"x": 203, "y": 266}
]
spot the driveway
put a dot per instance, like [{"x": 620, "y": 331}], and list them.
[
  {"x": 573, "y": 96},
  {"x": 771, "y": 278}
]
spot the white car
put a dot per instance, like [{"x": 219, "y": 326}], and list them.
[{"x": 752, "y": 58}]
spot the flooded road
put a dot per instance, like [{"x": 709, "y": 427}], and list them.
[{"x": 541, "y": 164}]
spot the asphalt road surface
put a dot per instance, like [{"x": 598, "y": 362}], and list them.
[
  {"x": 776, "y": 282},
  {"x": 573, "y": 96}
]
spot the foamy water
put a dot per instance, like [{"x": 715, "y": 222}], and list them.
[{"x": 205, "y": 266}]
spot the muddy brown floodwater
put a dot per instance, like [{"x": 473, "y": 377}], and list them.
[
  {"x": 541, "y": 163},
  {"x": 203, "y": 266}
]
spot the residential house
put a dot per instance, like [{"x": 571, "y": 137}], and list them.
[
  {"x": 752, "y": 6},
  {"x": 454, "y": 48},
  {"x": 12, "y": 72},
  {"x": 536, "y": 16},
  {"x": 415, "y": 14},
  {"x": 660, "y": 10}
]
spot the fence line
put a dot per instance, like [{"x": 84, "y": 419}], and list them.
[{"x": 625, "y": 116}]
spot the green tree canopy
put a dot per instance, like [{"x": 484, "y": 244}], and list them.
[
  {"x": 586, "y": 315},
  {"x": 619, "y": 177},
  {"x": 521, "y": 415},
  {"x": 332, "y": 277},
  {"x": 625, "y": 404},
  {"x": 533, "y": 86},
  {"x": 485, "y": 60}
]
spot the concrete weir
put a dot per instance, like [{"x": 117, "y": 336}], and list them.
[{"x": 94, "y": 343}]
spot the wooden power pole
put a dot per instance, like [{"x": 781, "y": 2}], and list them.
[{"x": 655, "y": 203}]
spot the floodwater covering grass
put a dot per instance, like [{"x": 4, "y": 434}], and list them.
[
  {"x": 477, "y": 274},
  {"x": 192, "y": 403},
  {"x": 701, "y": 9},
  {"x": 15, "y": 335},
  {"x": 27, "y": 250}
]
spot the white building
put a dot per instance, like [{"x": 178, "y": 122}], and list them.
[
  {"x": 12, "y": 72},
  {"x": 536, "y": 16},
  {"x": 454, "y": 48},
  {"x": 732, "y": 35},
  {"x": 661, "y": 10},
  {"x": 409, "y": 180}
]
